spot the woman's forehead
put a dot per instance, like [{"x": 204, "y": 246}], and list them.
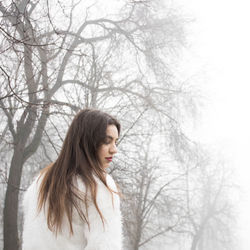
[{"x": 112, "y": 132}]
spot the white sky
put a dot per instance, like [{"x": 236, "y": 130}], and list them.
[{"x": 221, "y": 49}]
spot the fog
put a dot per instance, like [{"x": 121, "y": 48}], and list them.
[
  {"x": 220, "y": 53},
  {"x": 175, "y": 73}
]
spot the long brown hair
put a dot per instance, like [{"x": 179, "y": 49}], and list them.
[{"x": 78, "y": 157}]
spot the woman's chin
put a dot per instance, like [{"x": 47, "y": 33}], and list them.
[{"x": 106, "y": 165}]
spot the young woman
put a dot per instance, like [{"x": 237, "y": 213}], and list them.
[{"x": 74, "y": 204}]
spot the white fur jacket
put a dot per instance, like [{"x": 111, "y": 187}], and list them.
[{"x": 37, "y": 236}]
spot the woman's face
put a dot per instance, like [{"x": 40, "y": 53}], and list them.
[{"x": 108, "y": 148}]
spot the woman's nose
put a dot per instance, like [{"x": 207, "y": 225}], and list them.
[{"x": 113, "y": 149}]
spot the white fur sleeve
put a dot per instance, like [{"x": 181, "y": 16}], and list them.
[{"x": 110, "y": 237}]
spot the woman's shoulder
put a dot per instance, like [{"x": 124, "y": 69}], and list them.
[{"x": 31, "y": 194}]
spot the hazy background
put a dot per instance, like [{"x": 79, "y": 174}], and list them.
[
  {"x": 173, "y": 72},
  {"x": 220, "y": 50}
]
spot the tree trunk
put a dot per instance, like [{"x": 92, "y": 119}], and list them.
[
  {"x": 20, "y": 155},
  {"x": 11, "y": 239},
  {"x": 195, "y": 241},
  {"x": 138, "y": 233},
  {"x": 136, "y": 245}
]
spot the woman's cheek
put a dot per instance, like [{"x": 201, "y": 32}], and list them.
[{"x": 106, "y": 149}]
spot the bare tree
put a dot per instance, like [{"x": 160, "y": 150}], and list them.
[
  {"x": 173, "y": 201},
  {"x": 209, "y": 209},
  {"x": 54, "y": 64},
  {"x": 149, "y": 182}
]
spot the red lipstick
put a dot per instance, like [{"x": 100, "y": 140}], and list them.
[{"x": 109, "y": 158}]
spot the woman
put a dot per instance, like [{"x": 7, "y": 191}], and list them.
[{"x": 74, "y": 204}]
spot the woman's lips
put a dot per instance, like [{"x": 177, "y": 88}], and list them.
[{"x": 109, "y": 158}]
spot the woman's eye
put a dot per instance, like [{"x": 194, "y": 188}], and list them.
[{"x": 107, "y": 141}]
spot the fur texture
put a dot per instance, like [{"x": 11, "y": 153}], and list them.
[{"x": 37, "y": 236}]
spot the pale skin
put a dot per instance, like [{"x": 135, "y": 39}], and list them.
[{"x": 109, "y": 148}]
